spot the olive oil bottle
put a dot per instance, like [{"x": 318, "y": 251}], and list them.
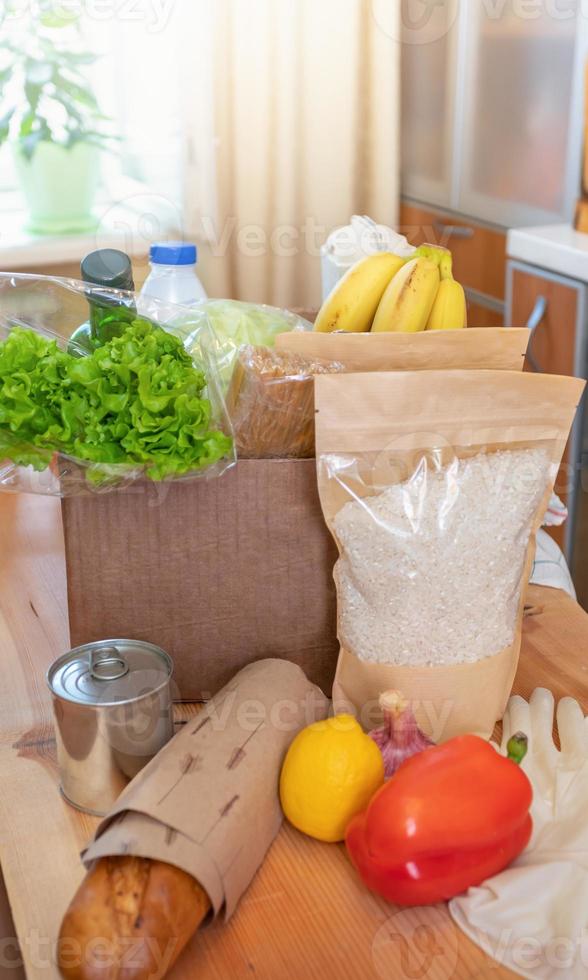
[{"x": 104, "y": 270}]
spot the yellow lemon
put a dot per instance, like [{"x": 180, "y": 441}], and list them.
[{"x": 330, "y": 773}]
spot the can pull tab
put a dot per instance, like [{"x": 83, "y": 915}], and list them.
[{"x": 108, "y": 664}]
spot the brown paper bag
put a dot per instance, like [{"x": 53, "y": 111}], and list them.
[
  {"x": 208, "y": 803},
  {"x": 478, "y": 348},
  {"x": 434, "y": 488}
]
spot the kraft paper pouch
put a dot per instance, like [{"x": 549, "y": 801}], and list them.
[
  {"x": 434, "y": 487},
  {"x": 208, "y": 802},
  {"x": 478, "y": 348}
]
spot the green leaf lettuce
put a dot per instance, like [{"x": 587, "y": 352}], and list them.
[{"x": 137, "y": 400}]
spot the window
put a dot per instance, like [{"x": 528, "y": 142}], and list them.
[{"x": 137, "y": 81}]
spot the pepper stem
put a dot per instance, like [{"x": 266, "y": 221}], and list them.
[{"x": 517, "y": 747}]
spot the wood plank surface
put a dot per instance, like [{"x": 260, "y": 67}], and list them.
[
  {"x": 10, "y": 954},
  {"x": 305, "y": 914}
]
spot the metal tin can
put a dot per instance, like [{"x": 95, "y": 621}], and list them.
[{"x": 113, "y": 712}]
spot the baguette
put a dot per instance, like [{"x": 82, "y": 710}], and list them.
[{"x": 129, "y": 920}]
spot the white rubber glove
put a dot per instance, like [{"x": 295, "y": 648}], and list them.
[
  {"x": 533, "y": 918},
  {"x": 550, "y": 567}
]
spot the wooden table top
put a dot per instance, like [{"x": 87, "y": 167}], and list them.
[{"x": 305, "y": 914}]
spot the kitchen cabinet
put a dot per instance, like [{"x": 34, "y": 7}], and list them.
[
  {"x": 479, "y": 257},
  {"x": 483, "y": 316},
  {"x": 492, "y": 118},
  {"x": 555, "y": 308},
  {"x": 427, "y": 117}
]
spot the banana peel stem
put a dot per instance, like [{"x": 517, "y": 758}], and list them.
[
  {"x": 435, "y": 253},
  {"x": 446, "y": 266}
]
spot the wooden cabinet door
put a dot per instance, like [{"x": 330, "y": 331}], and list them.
[
  {"x": 553, "y": 344},
  {"x": 479, "y": 252},
  {"x": 553, "y": 307},
  {"x": 483, "y": 316}
]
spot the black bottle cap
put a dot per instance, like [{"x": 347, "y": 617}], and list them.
[{"x": 108, "y": 267}]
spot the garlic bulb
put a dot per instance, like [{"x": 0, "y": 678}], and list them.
[{"x": 400, "y": 737}]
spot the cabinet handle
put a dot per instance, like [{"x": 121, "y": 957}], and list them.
[
  {"x": 453, "y": 231},
  {"x": 539, "y": 311}
]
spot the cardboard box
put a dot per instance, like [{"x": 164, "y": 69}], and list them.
[{"x": 218, "y": 572}]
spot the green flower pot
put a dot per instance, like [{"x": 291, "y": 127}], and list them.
[{"x": 59, "y": 185}]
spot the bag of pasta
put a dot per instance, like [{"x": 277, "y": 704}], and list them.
[
  {"x": 434, "y": 488},
  {"x": 271, "y": 403}
]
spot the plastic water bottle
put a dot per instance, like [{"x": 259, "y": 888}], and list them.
[{"x": 173, "y": 276}]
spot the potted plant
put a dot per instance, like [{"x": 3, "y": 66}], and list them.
[{"x": 49, "y": 113}]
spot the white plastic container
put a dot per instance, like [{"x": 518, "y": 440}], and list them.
[{"x": 173, "y": 276}]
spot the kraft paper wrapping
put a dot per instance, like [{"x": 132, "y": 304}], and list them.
[
  {"x": 447, "y": 701},
  {"x": 478, "y": 348},
  {"x": 208, "y": 803},
  {"x": 371, "y": 427}
]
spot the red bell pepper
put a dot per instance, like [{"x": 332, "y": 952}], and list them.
[{"x": 451, "y": 817}]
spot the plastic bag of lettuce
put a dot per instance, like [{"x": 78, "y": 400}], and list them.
[
  {"x": 235, "y": 325},
  {"x": 142, "y": 405}
]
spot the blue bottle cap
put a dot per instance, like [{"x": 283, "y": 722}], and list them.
[{"x": 173, "y": 253}]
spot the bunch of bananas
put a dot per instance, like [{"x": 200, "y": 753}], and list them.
[{"x": 385, "y": 292}]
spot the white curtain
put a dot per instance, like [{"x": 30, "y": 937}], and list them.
[{"x": 291, "y": 112}]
